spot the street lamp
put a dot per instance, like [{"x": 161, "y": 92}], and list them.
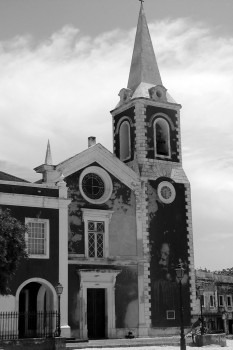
[
  {"x": 180, "y": 274},
  {"x": 59, "y": 290},
  {"x": 201, "y": 293}
]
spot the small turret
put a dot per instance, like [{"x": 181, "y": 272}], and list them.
[
  {"x": 47, "y": 169},
  {"x": 48, "y": 157}
]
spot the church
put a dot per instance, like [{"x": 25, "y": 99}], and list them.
[{"x": 111, "y": 227}]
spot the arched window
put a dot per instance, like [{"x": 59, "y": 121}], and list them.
[
  {"x": 162, "y": 138},
  {"x": 125, "y": 143}
]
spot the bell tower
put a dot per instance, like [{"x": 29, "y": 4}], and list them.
[
  {"x": 146, "y": 136},
  {"x": 146, "y": 119}
]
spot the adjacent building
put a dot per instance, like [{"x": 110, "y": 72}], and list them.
[{"x": 216, "y": 302}]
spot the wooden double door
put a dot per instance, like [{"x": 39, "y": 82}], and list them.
[{"x": 96, "y": 313}]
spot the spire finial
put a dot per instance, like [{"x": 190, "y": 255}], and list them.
[
  {"x": 141, "y": 1},
  {"x": 48, "y": 157}
]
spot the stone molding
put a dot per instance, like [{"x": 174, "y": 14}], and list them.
[
  {"x": 102, "y": 156},
  {"x": 190, "y": 249},
  {"x": 148, "y": 102},
  {"x": 33, "y": 201}
]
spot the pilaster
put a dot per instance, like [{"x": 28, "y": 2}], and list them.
[
  {"x": 179, "y": 151},
  {"x": 146, "y": 254},
  {"x": 63, "y": 256},
  {"x": 190, "y": 249},
  {"x": 140, "y": 131}
]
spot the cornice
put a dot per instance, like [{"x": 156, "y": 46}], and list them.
[
  {"x": 28, "y": 184},
  {"x": 23, "y": 200},
  {"x": 147, "y": 101}
]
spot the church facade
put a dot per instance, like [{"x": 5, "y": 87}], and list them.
[{"x": 117, "y": 224}]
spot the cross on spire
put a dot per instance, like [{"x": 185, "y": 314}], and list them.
[{"x": 141, "y": 1}]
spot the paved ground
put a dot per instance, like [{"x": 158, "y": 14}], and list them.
[{"x": 133, "y": 344}]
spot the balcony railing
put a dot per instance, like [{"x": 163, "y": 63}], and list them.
[{"x": 16, "y": 325}]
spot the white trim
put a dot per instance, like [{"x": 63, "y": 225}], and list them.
[
  {"x": 63, "y": 269},
  {"x": 46, "y": 238},
  {"x": 121, "y": 261},
  {"x": 28, "y": 184},
  {"x": 97, "y": 215},
  {"x": 98, "y": 279},
  {"x": 25, "y": 200},
  {"x": 40, "y": 299},
  {"x": 173, "y": 312},
  {"x": 105, "y": 178},
  {"x": 42, "y": 282},
  {"x": 120, "y": 122},
  {"x": 173, "y": 192},
  {"x": 129, "y": 140},
  {"x": 149, "y": 102},
  {"x": 153, "y": 118}
]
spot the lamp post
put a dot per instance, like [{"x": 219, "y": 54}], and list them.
[
  {"x": 59, "y": 290},
  {"x": 180, "y": 274},
  {"x": 201, "y": 293}
]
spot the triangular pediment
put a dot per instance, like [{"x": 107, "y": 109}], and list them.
[{"x": 97, "y": 154}]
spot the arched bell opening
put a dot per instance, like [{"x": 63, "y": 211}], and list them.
[{"x": 162, "y": 138}]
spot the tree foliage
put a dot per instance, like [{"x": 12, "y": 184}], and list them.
[
  {"x": 225, "y": 272},
  {"x": 12, "y": 248}
]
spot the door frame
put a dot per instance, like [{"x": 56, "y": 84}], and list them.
[{"x": 104, "y": 279}]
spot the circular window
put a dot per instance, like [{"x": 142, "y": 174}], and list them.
[
  {"x": 166, "y": 192},
  {"x": 95, "y": 185}
]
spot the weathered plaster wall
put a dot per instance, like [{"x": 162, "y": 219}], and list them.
[
  {"x": 122, "y": 229},
  {"x": 7, "y": 303},
  {"x": 73, "y": 301},
  {"x": 126, "y": 297},
  {"x": 168, "y": 247},
  {"x": 40, "y": 268}
]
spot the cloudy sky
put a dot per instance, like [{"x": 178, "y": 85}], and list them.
[{"x": 63, "y": 62}]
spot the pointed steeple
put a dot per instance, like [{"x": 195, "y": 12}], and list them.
[
  {"x": 144, "y": 67},
  {"x": 48, "y": 157}
]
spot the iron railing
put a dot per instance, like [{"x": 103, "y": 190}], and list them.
[{"x": 15, "y": 325}]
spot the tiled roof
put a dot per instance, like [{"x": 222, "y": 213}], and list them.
[{"x": 8, "y": 177}]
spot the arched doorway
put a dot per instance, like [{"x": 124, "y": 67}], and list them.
[{"x": 36, "y": 301}]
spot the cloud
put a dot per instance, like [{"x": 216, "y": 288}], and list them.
[
  {"x": 48, "y": 91},
  {"x": 63, "y": 89}
]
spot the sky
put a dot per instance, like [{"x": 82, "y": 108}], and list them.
[{"x": 63, "y": 63}]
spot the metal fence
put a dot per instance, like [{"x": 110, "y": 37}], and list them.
[{"x": 15, "y": 325}]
